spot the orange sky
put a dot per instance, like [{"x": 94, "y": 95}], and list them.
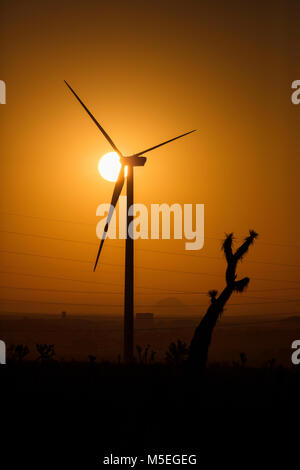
[{"x": 149, "y": 71}]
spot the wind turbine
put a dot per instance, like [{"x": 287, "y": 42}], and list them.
[{"x": 130, "y": 161}]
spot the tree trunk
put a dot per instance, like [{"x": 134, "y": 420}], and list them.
[{"x": 202, "y": 337}]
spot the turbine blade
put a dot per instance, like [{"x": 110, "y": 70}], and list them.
[
  {"x": 95, "y": 121},
  {"x": 163, "y": 143},
  {"x": 117, "y": 191}
]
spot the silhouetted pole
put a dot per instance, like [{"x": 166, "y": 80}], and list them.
[
  {"x": 129, "y": 292},
  {"x": 130, "y": 161}
]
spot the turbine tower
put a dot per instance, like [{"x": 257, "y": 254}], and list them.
[{"x": 130, "y": 161}]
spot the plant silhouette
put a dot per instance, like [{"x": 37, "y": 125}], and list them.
[
  {"x": 243, "y": 359},
  {"x": 18, "y": 352},
  {"x": 198, "y": 351},
  {"x": 271, "y": 363},
  {"x": 92, "y": 359},
  {"x": 177, "y": 353},
  {"x": 143, "y": 356},
  {"x": 46, "y": 352}
]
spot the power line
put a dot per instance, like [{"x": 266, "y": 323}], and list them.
[
  {"x": 276, "y": 289},
  {"x": 98, "y": 282},
  {"x": 46, "y": 219},
  {"x": 79, "y": 315},
  {"x": 89, "y": 292},
  {"x": 138, "y": 267},
  {"x": 286, "y": 244},
  {"x": 137, "y": 287},
  {"x": 144, "y": 305},
  {"x": 147, "y": 250},
  {"x": 69, "y": 291}
]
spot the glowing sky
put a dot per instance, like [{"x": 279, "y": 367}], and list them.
[{"x": 149, "y": 71}]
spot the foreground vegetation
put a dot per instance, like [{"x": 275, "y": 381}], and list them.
[{"x": 222, "y": 385}]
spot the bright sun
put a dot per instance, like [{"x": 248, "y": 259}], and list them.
[{"x": 109, "y": 166}]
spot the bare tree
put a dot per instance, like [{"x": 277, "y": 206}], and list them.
[{"x": 200, "y": 343}]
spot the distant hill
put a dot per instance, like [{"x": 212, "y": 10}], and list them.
[{"x": 173, "y": 306}]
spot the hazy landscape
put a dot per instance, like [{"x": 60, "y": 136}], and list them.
[
  {"x": 184, "y": 117},
  {"x": 260, "y": 337}
]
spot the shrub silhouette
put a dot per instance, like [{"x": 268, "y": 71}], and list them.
[
  {"x": 18, "y": 352},
  {"x": 177, "y": 353},
  {"x": 92, "y": 359},
  {"x": 243, "y": 359},
  {"x": 198, "y": 351},
  {"x": 271, "y": 362},
  {"x": 46, "y": 352},
  {"x": 143, "y": 356},
  {"x": 241, "y": 362},
  {"x": 152, "y": 356}
]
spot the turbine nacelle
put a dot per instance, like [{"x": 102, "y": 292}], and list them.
[{"x": 133, "y": 160}]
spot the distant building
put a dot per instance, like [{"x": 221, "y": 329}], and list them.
[{"x": 144, "y": 320}]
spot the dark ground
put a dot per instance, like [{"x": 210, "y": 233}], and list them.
[
  {"x": 71, "y": 413},
  {"x": 260, "y": 337}
]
